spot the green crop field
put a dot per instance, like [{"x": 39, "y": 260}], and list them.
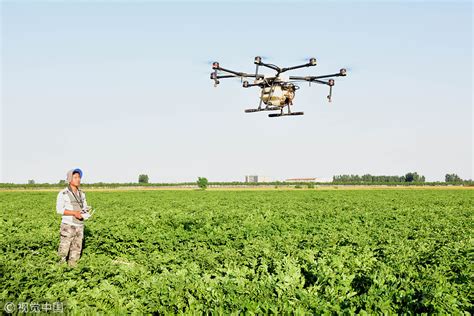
[{"x": 308, "y": 251}]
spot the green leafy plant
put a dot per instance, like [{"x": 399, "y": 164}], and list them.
[{"x": 390, "y": 251}]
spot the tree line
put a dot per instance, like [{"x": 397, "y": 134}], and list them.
[
  {"x": 368, "y": 178},
  {"x": 410, "y": 178}
]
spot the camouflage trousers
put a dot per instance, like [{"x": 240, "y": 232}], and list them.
[{"x": 70, "y": 243}]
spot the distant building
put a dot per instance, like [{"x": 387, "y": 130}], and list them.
[
  {"x": 309, "y": 180},
  {"x": 255, "y": 179}
]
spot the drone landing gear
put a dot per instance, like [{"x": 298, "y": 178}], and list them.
[
  {"x": 285, "y": 114},
  {"x": 268, "y": 108}
]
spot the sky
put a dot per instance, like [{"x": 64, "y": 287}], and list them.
[{"x": 122, "y": 88}]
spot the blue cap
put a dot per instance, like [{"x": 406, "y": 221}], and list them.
[{"x": 78, "y": 171}]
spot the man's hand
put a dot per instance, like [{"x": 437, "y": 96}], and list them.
[{"x": 78, "y": 215}]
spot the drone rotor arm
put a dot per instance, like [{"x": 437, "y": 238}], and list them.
[
  {"x": 243, "y": 75},
  {"x": 310, "y": 63},
  {"x": 223, "y": 76},
  {"x": 342, "y": 73},
  {"x": 296, "y": 67},
  {"x": 329, "y": 83},
  {"x": 248, "y": 85},
  {"x": 239, "y": 74},
  {"x": 230, "y": 74},
  {"x": 271, "y": 66},
  {"x": 328, "y": 76},
  {"x": 308, "y": 79},
  {"x": 313, "y": 79}
]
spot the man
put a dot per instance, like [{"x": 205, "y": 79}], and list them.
[{"x": 71, "y": 204}]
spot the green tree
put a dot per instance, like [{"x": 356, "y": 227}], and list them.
[
  {"x": 143, "y": 178},
  {"x": 31, "y": 181},
  {"x": 202, "y": 183},
  {"x": 412, "y": 177},
  {"x": 452, "y": 178}
]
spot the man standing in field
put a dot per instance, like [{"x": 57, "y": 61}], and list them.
[{"x": 71, "y": 204}]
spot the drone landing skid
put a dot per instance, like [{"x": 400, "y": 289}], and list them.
[
  {"x": 285, "y": 114},
  {"x": 274, "y": 108},
  {"x": 268, "y": 108}
]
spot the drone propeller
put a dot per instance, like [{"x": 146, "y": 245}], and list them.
[
  {"x": 305, "y": 58},
  {"x": 210, "y": 62},
  {"x": 350, "y": 68},
  {"x": 309, "y": 59}
]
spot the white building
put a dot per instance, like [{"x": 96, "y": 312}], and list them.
[{"x": 255, "y": 178}]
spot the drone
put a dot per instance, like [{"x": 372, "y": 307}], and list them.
[{"x": 278, "y": 90}]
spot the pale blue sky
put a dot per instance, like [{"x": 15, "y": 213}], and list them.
[{"x": 122, "y": 88}]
